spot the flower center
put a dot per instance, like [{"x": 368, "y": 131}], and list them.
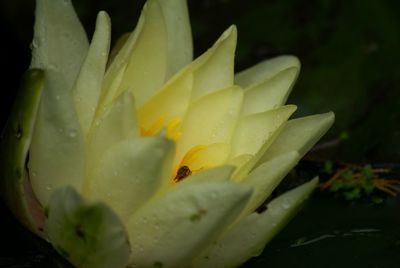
[
  {"x": 184, "y": 169},
  {"x": 171, "y": 128}
]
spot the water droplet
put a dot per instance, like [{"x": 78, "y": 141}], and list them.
[
  {"x": 58, "y": 97},
  {"x": 285, "y": 203},
  {"x": 33, "y": 174},
  {"x": 49, "y": 187},
  {"x": 73, "y": 133},
  {"x": 115, "y": 173},
  {"x": 60, "y": 130}
]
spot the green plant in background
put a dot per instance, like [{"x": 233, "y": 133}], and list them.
[
  {"x": 355, "y": 181},
  {"x": 148, "y": 158}
]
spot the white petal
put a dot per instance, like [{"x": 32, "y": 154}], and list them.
[
  {"x": 214, "y": 70},
  {"x": 265, "y": 70},
  {"x": 248, "y": 238},
  {"x": 118, "y": 123},
  {"x": 300, "y": 135},
  {"x": 271, "y": 93},
  {"x": 172, "y": 229},
  {"x": 59, "y": 48},
  {"x": 87, "y": 89}
]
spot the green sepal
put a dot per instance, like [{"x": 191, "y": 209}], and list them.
[
  {"x": 15, "y": 142},
  {"x": 89, "y": 235}
]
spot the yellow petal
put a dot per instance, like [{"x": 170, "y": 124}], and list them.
[
  {"x": 300, "y": 135},
  {"x": 212, "y": 119},
  {"x": 87, "y": 88},
  {"x": 214, "y": 70},
  {"x": 147, "y": 65},
  {"x": 131, "y": 172},
  {"x": 270, "y": 94},
  {"x": 265, "y": 70},
  {"x": 169, "y": 103}
]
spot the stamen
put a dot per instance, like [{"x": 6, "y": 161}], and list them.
[{"x": 183, "y": 172}]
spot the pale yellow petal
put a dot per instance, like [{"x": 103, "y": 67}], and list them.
[
  {"x": 172, "y": 229},
  {"x": 270, "y": 94},
  {"x": 265, "y": 70},
  {"x": 253, "y": 131},
  {"x": 214, "y": 70},
  {"x": 300, "y": 135},
  {"x": 57, "y": 148},
  {"x": 147, "y": 65},
  {"x": 87, "y": 88},
  {"x": 248, "y": 238},
  {"x": 212, "y": 119},
  {"x": 117, "y": 123},
  {"x": 180, "y": 47},
  {"x": 266, "y": 177},
  {"x": 131, "y": 172},
  {"x": 170, "y": 103}
]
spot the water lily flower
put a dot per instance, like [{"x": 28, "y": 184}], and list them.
[{"x": 144, "y": 157}]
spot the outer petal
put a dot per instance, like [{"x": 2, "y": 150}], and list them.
[
  {"x": 271, "y": 93},
  {"x": 180, "y": 47},
  {"x": 256, "y": 130},
  {"x": 212, "y": 119},
  {"x": 248, "y": 238},
  {"x": 87, "y": 89},
  {"x": 265, "y": 70},
  {"x": 300, "y": 135},
  {"x": 57, "y": 150},
  {"x": 214, "y": 70},
  {"x": 131, "y": 172},
  {"x": 266, "y": 177},
  {"x": 88, "y": 235},
  {"x": 15, "y": 142},
  {"x": 171, "y": 230}
]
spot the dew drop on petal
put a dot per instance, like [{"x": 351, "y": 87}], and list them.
[
  {"x": 73, "y": 133},
  {"x": 285, "y": 203}
]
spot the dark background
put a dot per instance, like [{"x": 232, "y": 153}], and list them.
[{"x": 350, "y": 54}]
